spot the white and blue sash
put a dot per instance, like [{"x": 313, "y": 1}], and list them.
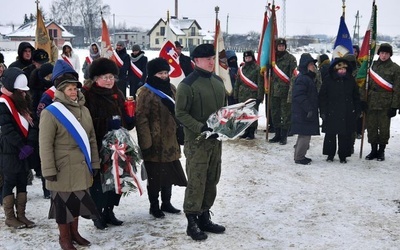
[
  {"x": 69, "y": 121},
  {"x": 159, "y": 92}
]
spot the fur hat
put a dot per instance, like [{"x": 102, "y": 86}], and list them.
[
  {"x": 280, "y": 41},
  {"x": 14, "y": 78},
  {"x": 203, "y": 50},
  {"x": 385, "y": 47},
  {"x": 156, "y": 65},
  {"x": 40, "y": 56},
  {"x": 249, "y": 53},
  {"x": 102, "y": 66},
  {"x": 178, "y": 44}
]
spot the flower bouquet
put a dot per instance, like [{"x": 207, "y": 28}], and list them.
[
  {"x": 231, "y": 121},
  {"x": 121, "y": 159}
]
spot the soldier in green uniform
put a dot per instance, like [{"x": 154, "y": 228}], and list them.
[
  {"x": 199, "y": 95},
  {"x": 282, "y": 72},
  {"x": 382, "y": 101},
  {"x": 249, "y": 84}
]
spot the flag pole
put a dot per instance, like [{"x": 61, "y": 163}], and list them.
[
  {"x": 344, "y": 8},
  {"x": 366, "y": 82},
  {"x": 269, "y": 70}
]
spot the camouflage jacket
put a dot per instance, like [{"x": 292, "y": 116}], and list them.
[
  {"x": 379, "y": 98},
  {"x": 242, "y": 92},
  {"x": 287, "y": 63}
]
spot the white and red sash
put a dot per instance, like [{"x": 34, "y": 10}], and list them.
[
  {"x": 51, "y": 91},
  {"x": 22, "y": 123},
  {"x": 66, "y": 59},
  {"x": 88, "y": 60},
  {"x": 249, "y": 83},
  {"x": 136, "y": 70},
  {"x": 118, "y": 60},
  {"x": 380, "y": 81},
  {"x": 281, "y": 74}
]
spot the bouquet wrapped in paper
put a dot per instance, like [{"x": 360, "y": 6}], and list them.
[
  {"x": 231, "y": 121},
  {"x": 121, "y": 160}
]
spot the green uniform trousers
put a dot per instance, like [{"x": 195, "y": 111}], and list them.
[
  {"x": 280, "y": 112},
  {"x": 378, "y": 126},
  {"x": 203, "y": 169}
]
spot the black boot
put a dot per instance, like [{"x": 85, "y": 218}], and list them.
[
  {"x": 166, "y": 205},
  {"x": 381, "y": 152},
  {"x": 277, "y": 136},
  {"x": 246, "y": 132},
  {"x": 374, "y": 152},
  {"x": 207, "y": 225},
  {"x": 154, "y": 206},
  {"x": 250, "y": 134},
  {"x": 283, "y": 139},
  {"x": 193, "y": 229},
  {"x": 100, "y": 222},
  {"x": 109, "y": 217}
]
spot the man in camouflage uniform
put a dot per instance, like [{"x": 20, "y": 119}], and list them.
[
  {"x": 382, "y": 101},
  {"x": 249, "y": 84},
  {"x": 199, "y": 95},
  {"x": 282, "y": 72}
]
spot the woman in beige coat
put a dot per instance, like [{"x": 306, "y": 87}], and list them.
[
  {"x": 64, "y": 166},
  {"x": 156, "y": 131}
]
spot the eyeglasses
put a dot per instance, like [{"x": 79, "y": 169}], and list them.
[{"x": 109, "y": 78}]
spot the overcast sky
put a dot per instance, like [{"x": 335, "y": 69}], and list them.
[{"x": 302, "y": 17}]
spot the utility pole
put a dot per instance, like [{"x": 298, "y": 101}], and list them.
[
  {"x": 176, "y": 9},
  {"x": 227, "y": 23},
  {"x": 356, "y": 34}
]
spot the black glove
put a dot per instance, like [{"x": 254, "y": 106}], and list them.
[
  {"x": 51, "y": 178},
  {"x": 323, "y": 117},
  {"x": 364, "y": 106},
  {"x": 206, "y": 128},
  {"x": 258, "y": 102},
  {"x": 114, "y": 123},
  {"x": 213, "y": 136},
  {"x": 392, "y": 112},
  {"x": 309, "y": 114},
  {"x": 95, "y": 172}
]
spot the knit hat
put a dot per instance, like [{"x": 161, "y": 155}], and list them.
[
  {"x": 121, "y": 43},
  {"x": 102, "y": 66},
  {"x": 40, "y": 56},
  {"x": 136, "y": 47},
  {"x": 385, "y": 47},
  {"x": 203, "y": 50},
  {"x": 14, "y": 78},
  {"x": 157, "y": 65},
  {"x": 45, "y": 70},
  {"x": 64, "y": 73}
]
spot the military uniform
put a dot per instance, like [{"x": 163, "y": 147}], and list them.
[
  {"x": 243, "y": 92},
  {"x": 381, "y": 103},
  {"x": 280, "y": 108}
]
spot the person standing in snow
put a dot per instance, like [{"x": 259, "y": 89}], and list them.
[
  {"x": 233, "y": 69},
  {"x": 198, "y": 96},
  {"x": 304, "y": 120},
  {"x": 137, "y": 75},
  {"x": 70, "y": 57},
  {"x": 122, "y": 81},
  {"x": 67, "y": 170},
  {"x": 184, "y": 61}
]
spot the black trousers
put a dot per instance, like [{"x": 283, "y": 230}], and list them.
[
  {"x": 345, "y": 144},
  {"x": 12, "y": 180}
]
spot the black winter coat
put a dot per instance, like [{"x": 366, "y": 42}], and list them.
[
  {"x": 339, "y": 102},
  {"x": 305, "y": 99},
  {"x": 11, "y": 142}
]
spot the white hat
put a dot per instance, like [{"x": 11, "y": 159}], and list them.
[{"x": 21, "y": 83}]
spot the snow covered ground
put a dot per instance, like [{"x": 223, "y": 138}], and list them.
[{"x": 264, "y": 200}]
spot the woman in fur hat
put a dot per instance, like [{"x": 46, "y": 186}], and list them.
[
  {"x": 156, "y": 131},
  {"x": 105, "y": 103}
]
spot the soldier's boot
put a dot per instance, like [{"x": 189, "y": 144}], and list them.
[
  {"x": 65, "y": 239},
  {"x": 193, "y": 229},
  {"x": 21, "y": 206},
  {"x": 75, "y": 235},
  {"x": 277, "y": 136},
  {"x": 8, "y": 206},
  {"x": 283, "y": 139},
  {"x": 374, "y": 152},
  {"x": 166, "y": 205},
  {"x": 246, "y": 132},
  {"x": 250, "y": 135},
  {"x": 206, "y": 225},
  {"x": 381, "y": 152}
]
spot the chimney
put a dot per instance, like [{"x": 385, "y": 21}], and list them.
[{"x": 176, "y": 8}]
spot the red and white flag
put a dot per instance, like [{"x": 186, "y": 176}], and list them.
[
  {"x": 221, "y": 62},
  {"x": 106, "y": 48}
]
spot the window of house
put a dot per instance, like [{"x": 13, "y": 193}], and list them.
[
  {"x": 53, "y": 33},
  {"x": 162, "y": 31},
  {"x": 193, "y": 31},
  {"x": 157, "y": 41}
]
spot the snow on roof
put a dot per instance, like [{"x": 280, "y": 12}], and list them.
[
  {"x": 29, "y": 30},
  {"x": 178, "y": 25},
  {"x": 6, "y": 29}
]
